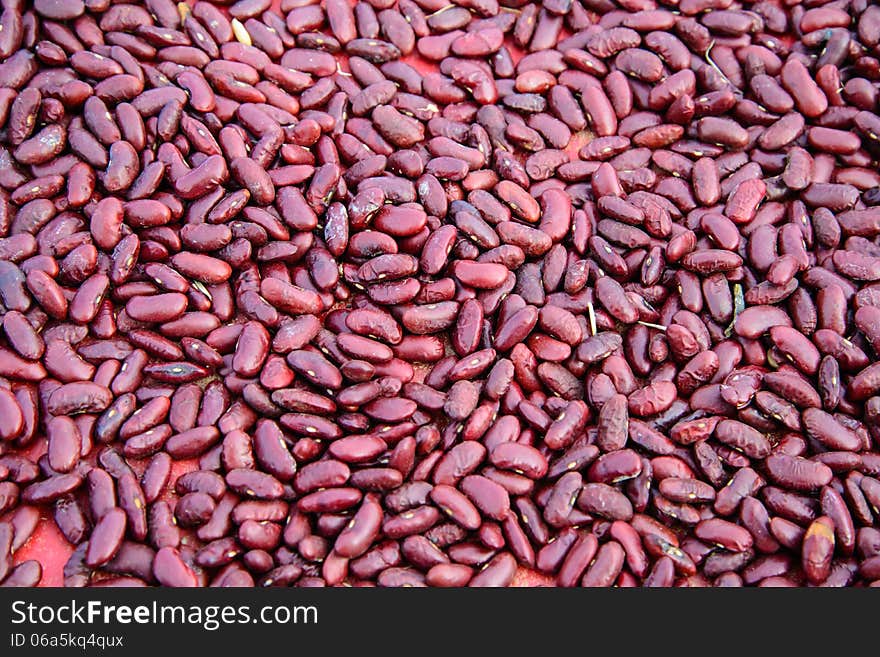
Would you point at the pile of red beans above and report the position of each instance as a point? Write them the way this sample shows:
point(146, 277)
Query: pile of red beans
point(411, 292)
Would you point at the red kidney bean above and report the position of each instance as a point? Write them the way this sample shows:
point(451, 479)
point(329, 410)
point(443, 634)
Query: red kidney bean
point(456, 506)
point(578, 558)
point(519, 458)
point(615, 466)
point(725, 534)
point(489, 497)
point(824, 428)
point(742, 437)
point(605, 501)
point(170, 569)
point(834, 506)
point(606, 566)
point(797, 473)
point(106, 538)
point(65, 443)
point(818, 548)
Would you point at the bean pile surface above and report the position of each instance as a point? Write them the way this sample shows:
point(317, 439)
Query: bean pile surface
point(411, 293)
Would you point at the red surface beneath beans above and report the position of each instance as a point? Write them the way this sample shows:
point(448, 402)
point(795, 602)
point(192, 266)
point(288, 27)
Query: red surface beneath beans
point(766, 337)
